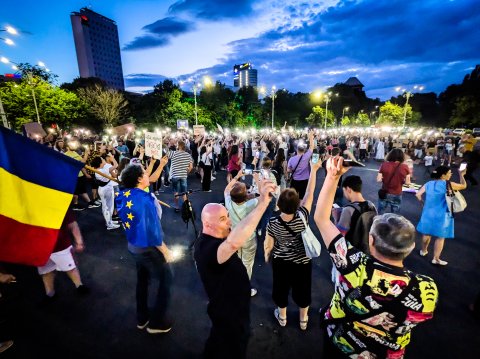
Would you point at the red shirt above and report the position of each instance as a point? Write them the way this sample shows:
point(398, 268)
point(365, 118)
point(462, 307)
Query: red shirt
point(232, 164)
point(393, 185)
point(64, 239)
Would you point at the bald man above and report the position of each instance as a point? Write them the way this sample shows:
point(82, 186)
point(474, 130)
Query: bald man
point(225, 277)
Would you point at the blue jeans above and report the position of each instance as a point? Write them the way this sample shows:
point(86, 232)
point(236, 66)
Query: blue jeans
point(179, 185)
point(392, 200)
point(151, 264)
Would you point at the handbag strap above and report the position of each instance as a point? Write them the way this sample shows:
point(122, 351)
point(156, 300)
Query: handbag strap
point(303, 220)
point(391, 177)
point(297, 166)
point(285, 225)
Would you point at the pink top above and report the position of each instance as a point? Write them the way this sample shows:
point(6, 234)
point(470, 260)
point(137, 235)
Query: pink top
point(233, 164)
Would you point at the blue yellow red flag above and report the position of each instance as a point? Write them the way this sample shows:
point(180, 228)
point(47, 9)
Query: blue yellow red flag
point(36, 189)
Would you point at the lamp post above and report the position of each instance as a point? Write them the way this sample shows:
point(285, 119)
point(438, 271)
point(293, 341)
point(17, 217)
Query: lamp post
point(30, 81)
point(328, 98)
point(345, 109)
point(407, 95)
point(274, 95)
point(195, 100)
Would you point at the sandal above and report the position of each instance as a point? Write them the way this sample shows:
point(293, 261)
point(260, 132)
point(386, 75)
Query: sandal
point(303, 323)
point(281, 321)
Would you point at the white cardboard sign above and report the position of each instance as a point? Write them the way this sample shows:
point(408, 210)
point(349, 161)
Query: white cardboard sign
point(153, 145)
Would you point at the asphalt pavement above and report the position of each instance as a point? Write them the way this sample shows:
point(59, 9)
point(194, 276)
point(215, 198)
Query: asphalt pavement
point(103, 324)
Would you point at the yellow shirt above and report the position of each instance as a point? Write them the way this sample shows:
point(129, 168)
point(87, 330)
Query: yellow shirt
point(75, 156)
point(470, 143)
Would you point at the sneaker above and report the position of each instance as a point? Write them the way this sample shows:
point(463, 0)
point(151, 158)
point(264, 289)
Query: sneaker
point(214, 178)
point(83, 290)
point(157, 193)
point(165, 329)
point(5, 345)
point(208, 190)
point(422, 253)
point(439, 262)
point(143, 325)
point(113, 226)
point(98, 201)
point(93, 204)
point(304, 323)
point(77, 207)
point(253, 292)
point(281, 321)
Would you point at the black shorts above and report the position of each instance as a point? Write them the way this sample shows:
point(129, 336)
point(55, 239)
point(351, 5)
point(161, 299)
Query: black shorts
point(297, 277)
point(81, 186)
point(300, 186)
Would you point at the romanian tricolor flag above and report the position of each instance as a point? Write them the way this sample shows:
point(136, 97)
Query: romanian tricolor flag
point(36, 188)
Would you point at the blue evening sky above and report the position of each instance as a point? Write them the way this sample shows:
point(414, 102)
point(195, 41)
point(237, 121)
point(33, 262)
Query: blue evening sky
point(295, 44)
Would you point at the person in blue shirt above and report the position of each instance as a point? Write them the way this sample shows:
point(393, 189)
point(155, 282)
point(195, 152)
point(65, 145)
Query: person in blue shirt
point(141, 213)
point(122, 149)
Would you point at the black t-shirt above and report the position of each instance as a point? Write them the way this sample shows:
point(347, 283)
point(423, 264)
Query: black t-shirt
point(227, 285)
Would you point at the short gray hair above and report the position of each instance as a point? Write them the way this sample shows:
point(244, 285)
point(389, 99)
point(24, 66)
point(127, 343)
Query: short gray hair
point(394, 235)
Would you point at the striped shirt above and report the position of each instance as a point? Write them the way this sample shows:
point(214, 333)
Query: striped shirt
point(285, 246)
point(180, 162)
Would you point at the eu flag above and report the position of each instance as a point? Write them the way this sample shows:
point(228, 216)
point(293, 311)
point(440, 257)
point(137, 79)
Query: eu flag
point(140, 214)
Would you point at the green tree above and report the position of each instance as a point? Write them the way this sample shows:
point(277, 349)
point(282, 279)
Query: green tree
point(466, 112)
point(346, 121)
point(108, 105)
point(362, 119)
point(317, 117)
point(54, 104)
point(31, 72)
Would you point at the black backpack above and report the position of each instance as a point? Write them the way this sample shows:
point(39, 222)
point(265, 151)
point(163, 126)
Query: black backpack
point(361, 222)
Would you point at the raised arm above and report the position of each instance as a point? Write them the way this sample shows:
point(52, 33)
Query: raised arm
point(239, 235)
point(230, 185)
point(308, 198)
point(156, 175)
point(310, 140)
point(328, 230)
point(462, 185)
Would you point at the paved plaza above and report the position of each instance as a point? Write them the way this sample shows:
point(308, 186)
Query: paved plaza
point(103, 324)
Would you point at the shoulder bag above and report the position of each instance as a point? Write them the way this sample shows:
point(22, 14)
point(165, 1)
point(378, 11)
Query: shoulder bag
point(310, 242)
point(455, 201)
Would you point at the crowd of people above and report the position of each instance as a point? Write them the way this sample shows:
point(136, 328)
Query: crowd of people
point(269, 196)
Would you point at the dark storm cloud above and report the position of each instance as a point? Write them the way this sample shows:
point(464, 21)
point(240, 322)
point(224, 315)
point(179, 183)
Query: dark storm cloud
point(213, 9)
point(160, 33)
point(385, 42)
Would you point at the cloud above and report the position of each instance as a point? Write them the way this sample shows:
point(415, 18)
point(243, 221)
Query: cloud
point(383, 42)
point(143, 80)
point(213, 9)
point(160, 33)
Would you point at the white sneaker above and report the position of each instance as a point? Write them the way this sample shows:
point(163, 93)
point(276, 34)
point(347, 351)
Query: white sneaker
point(422, 253)
point(253, 292)
point(113, 226)
point(439, 262)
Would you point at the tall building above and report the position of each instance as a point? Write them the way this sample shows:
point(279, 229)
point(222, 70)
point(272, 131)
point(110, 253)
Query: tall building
point(244, 75)
point(97, 47)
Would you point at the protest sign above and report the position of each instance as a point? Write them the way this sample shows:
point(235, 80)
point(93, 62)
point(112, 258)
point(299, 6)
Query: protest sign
point(153, 145)
point(198, 130)
point(182, 124)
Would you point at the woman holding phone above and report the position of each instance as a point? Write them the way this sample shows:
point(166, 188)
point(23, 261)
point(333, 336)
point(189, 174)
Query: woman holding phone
point(437, 219)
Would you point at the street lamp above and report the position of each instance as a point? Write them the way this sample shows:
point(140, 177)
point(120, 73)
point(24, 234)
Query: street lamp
point(345, 109)
point(273, 93)
point(328, 98)
point(407, 95)
point(10, 30)
point(30, 80)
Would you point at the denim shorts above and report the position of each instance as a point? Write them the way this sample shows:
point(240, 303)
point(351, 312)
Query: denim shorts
point(179, 185)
